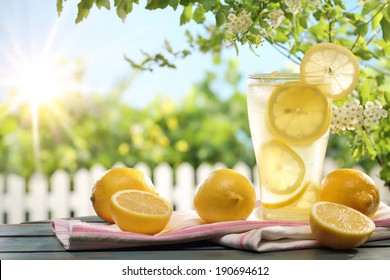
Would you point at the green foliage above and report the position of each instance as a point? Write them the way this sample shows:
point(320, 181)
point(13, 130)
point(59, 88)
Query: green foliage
point(77, 131)
point(365, 30)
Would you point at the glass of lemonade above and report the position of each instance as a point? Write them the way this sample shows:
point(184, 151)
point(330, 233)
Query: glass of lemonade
point(289, 121)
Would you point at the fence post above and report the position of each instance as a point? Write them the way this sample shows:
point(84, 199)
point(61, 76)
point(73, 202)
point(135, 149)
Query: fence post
point(2, 199)
point(37, 200)
point(143, 168)
point(15, 201)
point(80, 203)
point(185, 187)
point(163, 181)
point(59, 201)
point(179, 188)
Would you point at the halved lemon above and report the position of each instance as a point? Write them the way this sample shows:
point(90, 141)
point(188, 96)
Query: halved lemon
point(339, 226)
point(298, 113)
point(282, 170)
point(140, 211)
point(333, 62)
point(280, 201)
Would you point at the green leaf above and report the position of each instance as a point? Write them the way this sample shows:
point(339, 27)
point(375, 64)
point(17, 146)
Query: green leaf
point(363, 54)
point(302, 22)
point(339, 3)
point(103, 3)
point(157, 4)
point(386, 12)
point(358, 152)
point(385, 174)
point(361, 28)
point(83, 9)
point(236, 48)
point(376, 21)
point(59, 7)
point(220, 17)
point(209, 4)
point(369, 6)
point(168, 46)
point(186, 15)
point(318, 14)
point(199, 14)
point(380, 79)
point(385, 24)
point(369, 146)
point(189, 37)
point(124, 7)
point(365, 90)
point(174, 4)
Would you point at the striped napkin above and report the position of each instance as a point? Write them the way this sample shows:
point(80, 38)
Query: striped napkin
point(186, 226)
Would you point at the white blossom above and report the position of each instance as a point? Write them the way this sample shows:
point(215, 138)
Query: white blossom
point(275, 18)
point(293, 6)
point(314, 3)
point(373, 112)
point(361, 2)
point(352, 115)
point(239, 24)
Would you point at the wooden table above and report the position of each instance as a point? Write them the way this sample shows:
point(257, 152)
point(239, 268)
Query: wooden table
point(35, 240)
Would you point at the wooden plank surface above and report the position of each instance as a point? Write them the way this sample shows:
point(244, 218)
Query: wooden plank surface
point(37, 241)
point(209, 253)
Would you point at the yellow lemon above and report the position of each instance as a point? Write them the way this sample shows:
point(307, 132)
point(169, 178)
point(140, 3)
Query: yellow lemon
point(113, 180)
point(333, 62)
point(298, 113)
point(225, 195)
point(339, 226)
point(352, 188)
point(140, 211)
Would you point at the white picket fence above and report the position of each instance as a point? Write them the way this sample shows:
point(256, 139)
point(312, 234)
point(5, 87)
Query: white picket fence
point(41, 198)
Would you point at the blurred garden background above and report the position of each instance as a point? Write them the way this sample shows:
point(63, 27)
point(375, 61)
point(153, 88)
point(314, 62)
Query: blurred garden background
point(165, 84)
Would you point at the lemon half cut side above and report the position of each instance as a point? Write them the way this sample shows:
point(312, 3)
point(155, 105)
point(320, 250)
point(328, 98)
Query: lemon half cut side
point(339, 226)
point(140, 211)
point(333, 62)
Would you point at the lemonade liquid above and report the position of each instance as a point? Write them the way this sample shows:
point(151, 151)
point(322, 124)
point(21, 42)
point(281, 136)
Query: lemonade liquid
point(290, 162)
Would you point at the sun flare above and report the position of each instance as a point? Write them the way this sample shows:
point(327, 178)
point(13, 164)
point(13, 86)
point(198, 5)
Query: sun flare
point(38, 82)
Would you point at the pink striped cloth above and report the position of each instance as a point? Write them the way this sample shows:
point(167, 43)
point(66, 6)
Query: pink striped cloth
point(186, 226)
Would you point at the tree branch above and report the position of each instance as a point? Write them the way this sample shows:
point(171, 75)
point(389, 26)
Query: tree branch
point(330, 22)
point(371, 19)
point(279, 47)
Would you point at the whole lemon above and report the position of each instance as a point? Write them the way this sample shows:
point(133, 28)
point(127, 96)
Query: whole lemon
point(352, 188)
point(114, 180)
point(225, 195)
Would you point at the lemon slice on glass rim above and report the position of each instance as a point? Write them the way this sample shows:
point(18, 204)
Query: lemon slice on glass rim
point(298, 113)
point(283, 170)
point(334, 63)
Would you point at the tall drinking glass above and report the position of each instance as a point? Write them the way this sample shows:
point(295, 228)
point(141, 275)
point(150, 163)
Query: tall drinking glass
point(289, 121)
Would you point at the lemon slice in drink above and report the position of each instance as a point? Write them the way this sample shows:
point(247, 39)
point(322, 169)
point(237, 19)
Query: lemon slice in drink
point(333, 62)
point(339, 226)
point(140, 211)
point(298, 113)
point(275, 201)
point(283, 169)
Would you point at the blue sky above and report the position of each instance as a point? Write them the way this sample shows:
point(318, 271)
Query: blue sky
point(31, 28)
